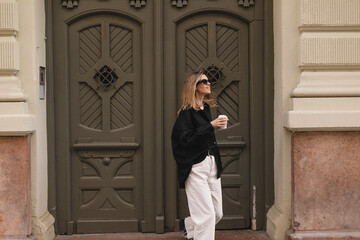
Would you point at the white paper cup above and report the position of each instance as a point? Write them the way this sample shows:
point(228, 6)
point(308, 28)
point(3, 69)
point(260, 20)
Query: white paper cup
point(223, 116)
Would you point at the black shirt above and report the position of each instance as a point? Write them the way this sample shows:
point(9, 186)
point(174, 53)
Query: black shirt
point(192, 138)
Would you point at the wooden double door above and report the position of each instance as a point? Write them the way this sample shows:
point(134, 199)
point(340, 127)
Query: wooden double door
point(116, 72)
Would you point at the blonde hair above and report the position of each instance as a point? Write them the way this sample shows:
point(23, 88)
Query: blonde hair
point(188, 98)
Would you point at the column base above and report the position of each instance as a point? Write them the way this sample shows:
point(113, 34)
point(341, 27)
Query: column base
point(322, 235)
point(43, 227)
point(15, 215)
point(277, 224)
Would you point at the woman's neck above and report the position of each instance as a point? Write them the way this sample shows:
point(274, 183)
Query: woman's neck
point(199, 99)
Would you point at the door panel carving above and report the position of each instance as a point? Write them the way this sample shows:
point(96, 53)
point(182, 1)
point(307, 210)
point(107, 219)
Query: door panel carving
point(228, 103)
point(122, 107)
point(105, 180)
point(90, 107)
point(196, 47)
point(114, 197)
point(121, 47)
point(227, 46)
point(116, 70)
point(90, 47)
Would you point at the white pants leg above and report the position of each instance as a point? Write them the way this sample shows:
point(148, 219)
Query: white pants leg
point(203, 191)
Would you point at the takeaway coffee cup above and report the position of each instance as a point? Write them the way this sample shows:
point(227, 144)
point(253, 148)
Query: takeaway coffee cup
point(223, 116)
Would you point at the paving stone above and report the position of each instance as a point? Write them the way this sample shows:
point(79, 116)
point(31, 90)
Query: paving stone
point(220, 235)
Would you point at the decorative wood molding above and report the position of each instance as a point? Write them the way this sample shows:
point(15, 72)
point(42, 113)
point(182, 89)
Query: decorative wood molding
point(215, 75)
point(138, 3)
point(246, 3)
point(232, 152)
point(107, 153)
point(179, 3)
point(231, 148)
point(70, 3)
point(105, 77)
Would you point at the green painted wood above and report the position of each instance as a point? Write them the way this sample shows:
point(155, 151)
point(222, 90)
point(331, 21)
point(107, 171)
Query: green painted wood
point(105, 110)
point(116, 74)
point(103, 118)
point(212, 33)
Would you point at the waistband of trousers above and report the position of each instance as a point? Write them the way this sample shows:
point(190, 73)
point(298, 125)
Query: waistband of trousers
point(210, 152)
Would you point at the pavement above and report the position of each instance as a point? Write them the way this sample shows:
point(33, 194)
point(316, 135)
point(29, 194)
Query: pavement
point(220, 235)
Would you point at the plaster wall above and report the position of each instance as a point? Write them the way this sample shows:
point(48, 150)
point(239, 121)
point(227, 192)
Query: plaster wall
point(316, 83)
point(329, 49)
point(32, 55)
point(286, 75)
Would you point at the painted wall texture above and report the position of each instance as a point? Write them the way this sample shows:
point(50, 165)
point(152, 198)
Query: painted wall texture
point(326, 98)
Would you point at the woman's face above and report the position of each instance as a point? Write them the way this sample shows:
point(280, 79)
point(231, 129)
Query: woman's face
point(202, 86)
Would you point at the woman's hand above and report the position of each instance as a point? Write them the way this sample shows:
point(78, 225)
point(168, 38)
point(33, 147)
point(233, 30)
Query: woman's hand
point(219, 122)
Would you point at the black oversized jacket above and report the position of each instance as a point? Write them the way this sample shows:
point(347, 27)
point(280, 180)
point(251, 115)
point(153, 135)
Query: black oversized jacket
point(192, 137)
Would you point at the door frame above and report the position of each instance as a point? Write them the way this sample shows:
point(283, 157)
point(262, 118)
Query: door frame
point(263, 118)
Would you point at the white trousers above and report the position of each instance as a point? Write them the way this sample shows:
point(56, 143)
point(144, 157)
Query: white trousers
point(203, 191)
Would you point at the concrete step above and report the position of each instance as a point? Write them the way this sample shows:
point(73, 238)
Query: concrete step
point(220, 235)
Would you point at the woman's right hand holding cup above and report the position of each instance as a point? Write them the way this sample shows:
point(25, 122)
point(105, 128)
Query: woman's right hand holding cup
point(220, 122)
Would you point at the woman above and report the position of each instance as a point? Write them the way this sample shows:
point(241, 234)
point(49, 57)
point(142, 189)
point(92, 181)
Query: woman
point(198, 159)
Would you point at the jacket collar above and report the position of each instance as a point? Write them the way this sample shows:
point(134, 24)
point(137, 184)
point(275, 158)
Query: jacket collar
point(206, 112)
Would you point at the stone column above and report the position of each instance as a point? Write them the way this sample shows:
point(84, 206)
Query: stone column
point(286, 73)
point(325, 189)
point(324, 119)
point(15, 126)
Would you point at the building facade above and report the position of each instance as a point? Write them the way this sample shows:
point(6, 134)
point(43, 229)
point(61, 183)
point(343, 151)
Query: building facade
point(72, 161)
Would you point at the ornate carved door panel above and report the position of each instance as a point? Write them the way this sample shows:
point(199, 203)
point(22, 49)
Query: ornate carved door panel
point(117, 68)
point(105, 89)
point(103, 116)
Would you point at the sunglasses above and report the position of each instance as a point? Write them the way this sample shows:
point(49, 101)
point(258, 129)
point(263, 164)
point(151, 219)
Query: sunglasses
point(204, 81)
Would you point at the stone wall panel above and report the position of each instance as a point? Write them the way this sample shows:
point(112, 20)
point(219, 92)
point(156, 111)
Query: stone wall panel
point(330, 13)
point(330, 50)
point(15, 187)
point(9, 20)
point(326, 176)
point(9, 55)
